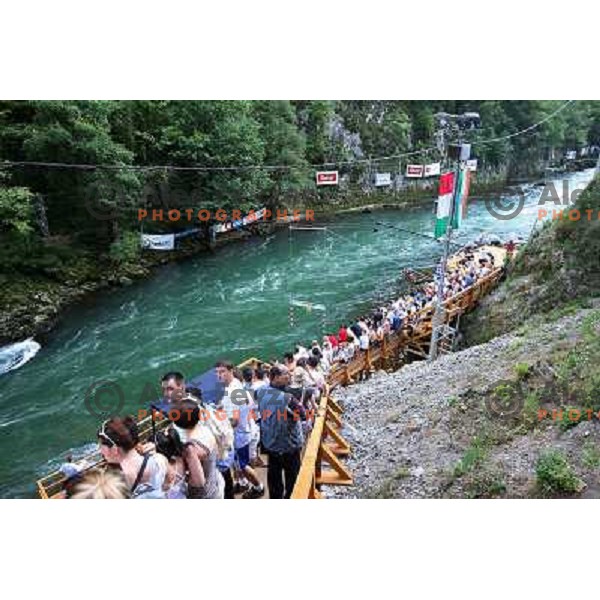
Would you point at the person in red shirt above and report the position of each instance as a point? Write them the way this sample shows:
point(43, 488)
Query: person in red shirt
point(333, 340)
point(343, 334)
point(510, 248)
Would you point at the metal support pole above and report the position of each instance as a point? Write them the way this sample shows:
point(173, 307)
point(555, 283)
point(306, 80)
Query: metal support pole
point(438, 316)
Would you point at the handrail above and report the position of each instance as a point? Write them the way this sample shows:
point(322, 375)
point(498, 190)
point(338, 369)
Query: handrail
point(52, 484)
point(305, 483)
point(324, 448)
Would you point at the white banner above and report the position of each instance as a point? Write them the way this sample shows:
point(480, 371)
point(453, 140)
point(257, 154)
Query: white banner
point(158, 242)
point(414, 170)
point(221, 227)
point(383, 179)
point(251, 217)
point(432, 169)
point(472, 164)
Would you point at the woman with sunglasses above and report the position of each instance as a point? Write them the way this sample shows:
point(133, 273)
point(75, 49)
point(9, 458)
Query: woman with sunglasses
point(144, 474)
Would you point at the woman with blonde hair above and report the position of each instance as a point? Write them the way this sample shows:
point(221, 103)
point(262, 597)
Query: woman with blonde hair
point(100, 484)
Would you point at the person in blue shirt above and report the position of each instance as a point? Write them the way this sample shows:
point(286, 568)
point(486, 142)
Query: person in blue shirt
point(280, 432)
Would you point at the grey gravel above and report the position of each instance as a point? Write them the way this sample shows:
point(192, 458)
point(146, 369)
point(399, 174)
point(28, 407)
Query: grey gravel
point(409, 429)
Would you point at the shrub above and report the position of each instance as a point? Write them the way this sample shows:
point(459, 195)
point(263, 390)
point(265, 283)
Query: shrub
point(555, 475)
point(571, 416)
point(521, 370)
point(485, 483)
point(474, 455)
point(590, 455)
point(531, 408)
point(126, 248)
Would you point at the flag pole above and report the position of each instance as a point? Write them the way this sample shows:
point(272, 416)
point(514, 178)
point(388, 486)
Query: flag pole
point(462, 151)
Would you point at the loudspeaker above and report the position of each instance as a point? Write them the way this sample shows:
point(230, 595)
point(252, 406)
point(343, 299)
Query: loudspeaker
point(459, 151)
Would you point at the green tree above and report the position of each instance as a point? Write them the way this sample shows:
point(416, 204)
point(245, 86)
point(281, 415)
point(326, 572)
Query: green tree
point(423, 124)
point(17, 228)
point(16, 211)
point(71, 132)
point(93, 209)
point(284, 144)
point(314, 118)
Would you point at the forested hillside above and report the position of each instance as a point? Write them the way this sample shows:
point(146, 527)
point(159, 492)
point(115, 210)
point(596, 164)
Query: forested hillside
point(557, 273)
point(74, 173)
point(60, 201)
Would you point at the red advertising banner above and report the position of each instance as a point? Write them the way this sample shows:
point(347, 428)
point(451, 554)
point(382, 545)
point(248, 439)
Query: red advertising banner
point(327, 177)
point(414, 170)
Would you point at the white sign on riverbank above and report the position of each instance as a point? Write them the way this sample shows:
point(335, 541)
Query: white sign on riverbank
point(432, 169)
point(382, 179)
point(158, 242)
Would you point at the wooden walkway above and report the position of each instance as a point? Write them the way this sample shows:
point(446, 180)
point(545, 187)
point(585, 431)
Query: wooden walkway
point(325, 447)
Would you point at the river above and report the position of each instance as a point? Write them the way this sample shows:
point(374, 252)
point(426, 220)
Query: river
point(233, 304)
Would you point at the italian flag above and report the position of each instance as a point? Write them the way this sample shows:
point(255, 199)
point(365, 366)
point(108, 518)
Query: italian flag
point(444, 205)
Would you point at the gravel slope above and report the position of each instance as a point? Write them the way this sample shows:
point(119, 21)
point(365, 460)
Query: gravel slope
point(410, 429)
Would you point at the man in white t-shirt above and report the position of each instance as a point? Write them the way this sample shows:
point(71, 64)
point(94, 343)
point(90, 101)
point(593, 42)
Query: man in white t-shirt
point(255, 379)
point(238, 405)
point(300, 352)
point(364, 340)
